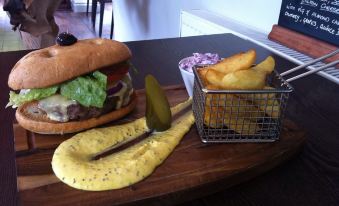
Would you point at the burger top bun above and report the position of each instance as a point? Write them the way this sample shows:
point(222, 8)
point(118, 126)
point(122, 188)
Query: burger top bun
point(56, 64)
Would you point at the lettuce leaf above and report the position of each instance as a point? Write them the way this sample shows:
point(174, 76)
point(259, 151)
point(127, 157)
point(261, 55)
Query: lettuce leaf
point(16, 100)
point(88, 90)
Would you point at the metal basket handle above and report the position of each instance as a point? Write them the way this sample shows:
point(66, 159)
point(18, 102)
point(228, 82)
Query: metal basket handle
point(310, 63)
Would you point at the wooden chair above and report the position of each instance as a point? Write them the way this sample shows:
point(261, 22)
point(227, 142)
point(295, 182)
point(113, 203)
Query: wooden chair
point(102, 9)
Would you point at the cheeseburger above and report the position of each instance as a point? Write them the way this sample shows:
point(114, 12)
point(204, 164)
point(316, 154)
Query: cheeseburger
point(65, 89)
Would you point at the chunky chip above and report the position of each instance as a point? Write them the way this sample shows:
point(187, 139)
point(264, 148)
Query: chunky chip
point(202, 74)
point(218, 118)
point(266, 102)
point(214, 77)
point(266, 66)
point(241, 112)
point(244, 80)
point(236, 62)
point(231, 111)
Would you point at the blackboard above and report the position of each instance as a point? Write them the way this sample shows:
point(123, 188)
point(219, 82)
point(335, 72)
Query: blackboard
point(315, 18)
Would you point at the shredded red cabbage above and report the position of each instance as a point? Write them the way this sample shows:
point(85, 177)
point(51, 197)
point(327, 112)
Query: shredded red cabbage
point(198, 59)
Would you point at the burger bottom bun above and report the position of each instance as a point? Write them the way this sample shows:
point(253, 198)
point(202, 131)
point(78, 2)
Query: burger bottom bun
point(39, 123)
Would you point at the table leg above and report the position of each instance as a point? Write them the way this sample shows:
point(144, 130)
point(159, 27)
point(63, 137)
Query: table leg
point(94, 12)
point(87, 7)
point(102, 9)
point(112, 22)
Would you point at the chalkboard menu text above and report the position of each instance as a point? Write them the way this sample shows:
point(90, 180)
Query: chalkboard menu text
point(315, 18)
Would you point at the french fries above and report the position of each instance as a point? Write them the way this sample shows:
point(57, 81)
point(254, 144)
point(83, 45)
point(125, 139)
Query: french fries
point(232, 111)
point(236, 62)
point(233, 105)
point(272, 106)
point(266, 66)
point(202, 74)
point(214, 119)
point(244, 79)
point(239, 112)
point(214, 77)
point(265, 102)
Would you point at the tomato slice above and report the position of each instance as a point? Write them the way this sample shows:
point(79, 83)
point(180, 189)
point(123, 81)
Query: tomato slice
point(116, 73)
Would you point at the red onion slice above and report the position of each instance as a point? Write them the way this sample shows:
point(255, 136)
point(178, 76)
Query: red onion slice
point(114, 89)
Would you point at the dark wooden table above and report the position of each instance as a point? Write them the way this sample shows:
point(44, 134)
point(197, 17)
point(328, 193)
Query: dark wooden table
point(310, 178)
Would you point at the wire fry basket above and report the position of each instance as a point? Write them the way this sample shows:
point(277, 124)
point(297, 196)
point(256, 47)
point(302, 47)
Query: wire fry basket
point(240, 115)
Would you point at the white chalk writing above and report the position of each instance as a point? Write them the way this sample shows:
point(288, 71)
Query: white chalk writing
point(321, 17)
point(293, 16)
point(317, 18)
point(309, 3)
point(309, 21)
point(301, 10)
point(335, 2)
point(327, 28)
point(335, 21)
point(332, 9)
point(291, 7)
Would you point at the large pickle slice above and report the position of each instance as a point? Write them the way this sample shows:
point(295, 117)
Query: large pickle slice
point(158, 113)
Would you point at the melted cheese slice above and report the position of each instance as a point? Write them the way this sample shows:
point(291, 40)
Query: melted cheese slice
point(55, 107)
point(72, 161)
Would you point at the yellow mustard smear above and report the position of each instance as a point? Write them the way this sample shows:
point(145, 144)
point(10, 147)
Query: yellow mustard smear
point(73, 160)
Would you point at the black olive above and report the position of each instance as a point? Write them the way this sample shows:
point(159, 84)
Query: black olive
point(66, 39)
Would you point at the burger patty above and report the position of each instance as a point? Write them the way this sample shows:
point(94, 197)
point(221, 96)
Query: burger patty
point(79, 112)
point(61, 109)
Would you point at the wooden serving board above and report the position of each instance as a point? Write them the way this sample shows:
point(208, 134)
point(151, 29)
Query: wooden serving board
point(192, 170)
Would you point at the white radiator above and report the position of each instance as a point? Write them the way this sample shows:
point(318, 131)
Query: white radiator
point(200, 22)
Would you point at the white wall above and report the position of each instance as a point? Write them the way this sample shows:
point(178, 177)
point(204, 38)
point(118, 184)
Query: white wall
point(148, 19)
point(261, 14)
point(153, 19)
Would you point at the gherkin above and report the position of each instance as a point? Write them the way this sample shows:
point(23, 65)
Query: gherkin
point(158, 113)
